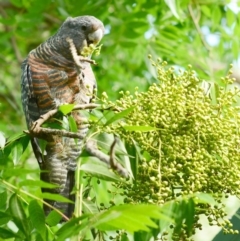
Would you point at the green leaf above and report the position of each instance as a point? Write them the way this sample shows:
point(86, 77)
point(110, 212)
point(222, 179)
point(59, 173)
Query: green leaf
point(127, 43)
point(173, 7)
point(99, 169)
point(189, 214)
point(19, 216)
point(18, 171)
point(16, 208)
point(15, 137)
point(53, 218)
point(6, 234)
point(37, 183)
point(24, 142)
point(37, 218)
point(89, 206)
point(206, 10)
point(16, 3)
point(72, 227)
point(235, 48)
point(3, 199)
point(216, 15)
point(73, 127)
point(119, 115)
point(42, 144)
point(17, 151)
point(55, 197)
point(137, 24)
point(133, 152)
point(65, 109)
point(2, 140)
point(4, 218)
point(140, 128)
point(39, 237)
point(131, 34)
point(72, 124)
point(231, 17)
point(131, 218)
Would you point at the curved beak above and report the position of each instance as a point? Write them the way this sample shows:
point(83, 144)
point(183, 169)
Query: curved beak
point(95, 36)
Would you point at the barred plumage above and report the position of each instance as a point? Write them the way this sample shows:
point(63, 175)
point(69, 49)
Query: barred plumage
point(50, 78)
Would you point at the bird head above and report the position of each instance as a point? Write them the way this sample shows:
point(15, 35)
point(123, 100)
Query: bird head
point(84, 30)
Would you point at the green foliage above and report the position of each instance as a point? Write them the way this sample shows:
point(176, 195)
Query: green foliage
point(192, 138)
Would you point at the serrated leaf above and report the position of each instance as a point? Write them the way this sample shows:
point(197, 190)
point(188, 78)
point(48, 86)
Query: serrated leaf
point(119, 115)
point(37, 183)
point(55, 197)
point(65, 109)
point(2, 140)
point(140, 128)
point(53, 218)
point(37, 218)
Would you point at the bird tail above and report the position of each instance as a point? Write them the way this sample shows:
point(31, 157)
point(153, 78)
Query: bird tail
point(66, 208)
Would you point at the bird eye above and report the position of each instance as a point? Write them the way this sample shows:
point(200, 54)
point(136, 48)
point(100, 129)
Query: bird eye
point(84, 27)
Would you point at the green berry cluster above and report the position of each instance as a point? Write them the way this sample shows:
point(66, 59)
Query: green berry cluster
point(194, 145)
point(89, 50)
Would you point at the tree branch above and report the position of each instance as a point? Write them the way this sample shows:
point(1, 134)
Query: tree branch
point(36, 129)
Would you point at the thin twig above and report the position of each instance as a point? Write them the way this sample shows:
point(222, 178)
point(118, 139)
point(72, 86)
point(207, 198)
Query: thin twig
point(112, 153)
point(92, 149)
point(89, 106)
point(195, 21)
